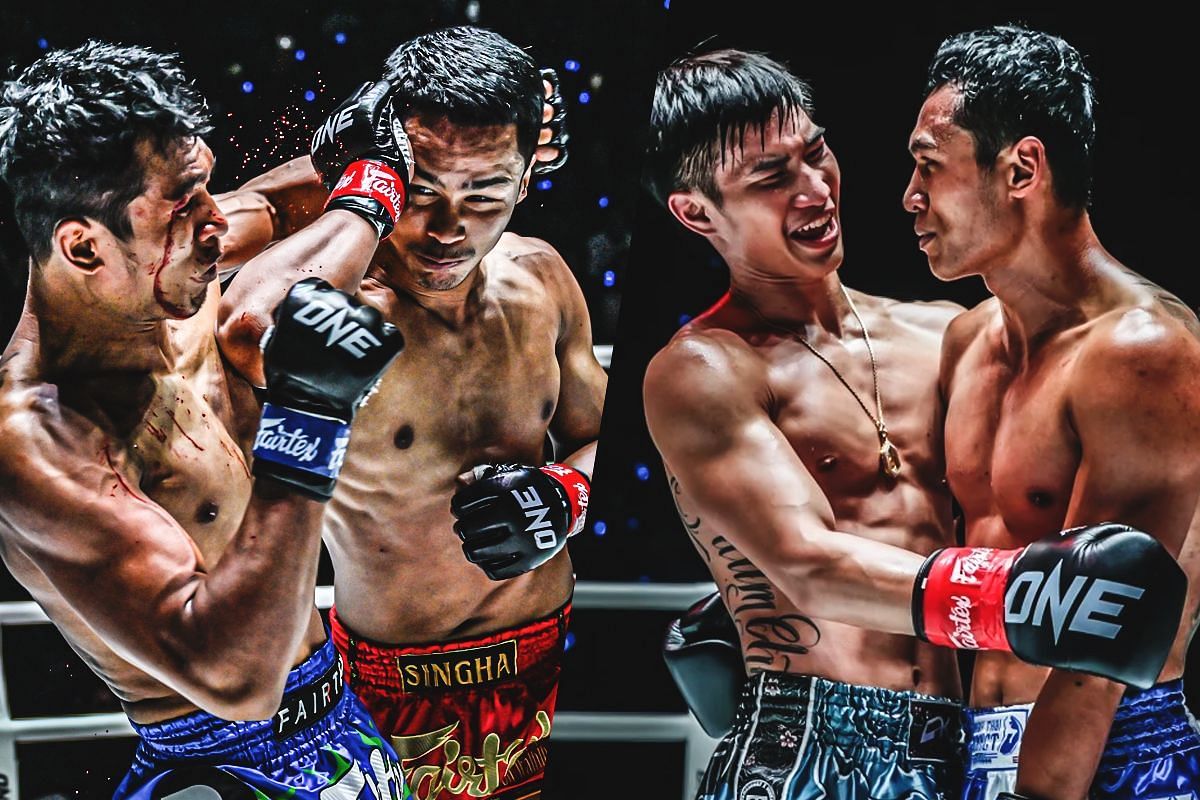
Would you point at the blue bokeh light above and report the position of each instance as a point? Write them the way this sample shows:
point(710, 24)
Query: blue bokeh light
point(247, 86)
point(600, 528)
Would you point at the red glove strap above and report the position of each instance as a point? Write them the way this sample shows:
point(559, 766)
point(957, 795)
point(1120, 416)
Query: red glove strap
point(374, 179)
point(577, 487)
point(964, 598)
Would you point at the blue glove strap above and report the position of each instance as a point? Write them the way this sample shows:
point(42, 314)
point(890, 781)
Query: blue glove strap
point(301, 440)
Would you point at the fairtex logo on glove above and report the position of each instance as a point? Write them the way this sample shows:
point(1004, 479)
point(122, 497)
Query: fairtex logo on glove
point(373, 179)
point(965, 568)
point(1038, 593)
point(301, 440)
point(345, 333)
point(963, 635)
point(273, 436)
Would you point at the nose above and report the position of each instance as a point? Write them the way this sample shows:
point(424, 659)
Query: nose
point(915, 199)
point(813, 190)
point(215, 225)
point(445, 226)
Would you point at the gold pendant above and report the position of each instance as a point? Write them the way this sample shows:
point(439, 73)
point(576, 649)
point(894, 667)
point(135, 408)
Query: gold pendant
point(889, 456)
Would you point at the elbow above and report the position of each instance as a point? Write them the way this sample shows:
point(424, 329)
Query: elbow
point(239, 333)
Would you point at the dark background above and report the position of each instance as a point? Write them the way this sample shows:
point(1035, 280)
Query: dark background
point(867, 68)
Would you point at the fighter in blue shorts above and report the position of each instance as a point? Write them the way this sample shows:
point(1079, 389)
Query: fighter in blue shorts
point(170, 531)
point(1071, 398)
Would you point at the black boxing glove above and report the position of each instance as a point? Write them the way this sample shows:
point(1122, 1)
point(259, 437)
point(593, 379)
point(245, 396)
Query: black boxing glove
point(557, 125)
point(704, 656)
point(515, 518)
point(1104, 599)
point(322, 356)
point(364, 158)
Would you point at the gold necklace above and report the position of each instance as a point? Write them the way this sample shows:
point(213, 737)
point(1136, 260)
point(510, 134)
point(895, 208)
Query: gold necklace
point(889, 456)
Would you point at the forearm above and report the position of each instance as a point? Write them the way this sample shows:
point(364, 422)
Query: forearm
point(583, 459)
point(240, 629)
point(848, 579)
point(1066, 734)
point(337, 247)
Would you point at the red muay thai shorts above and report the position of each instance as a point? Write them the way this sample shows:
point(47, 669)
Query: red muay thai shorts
point(469, 718)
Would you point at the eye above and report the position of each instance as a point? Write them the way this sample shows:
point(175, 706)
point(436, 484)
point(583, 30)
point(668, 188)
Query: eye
point(421, 191)
point(817, 153)
point(773, 180)
point(481, 199)
point(925, 167)
point(183, 208)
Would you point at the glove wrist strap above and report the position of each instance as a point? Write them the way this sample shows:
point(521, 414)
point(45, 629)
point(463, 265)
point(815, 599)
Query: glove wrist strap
point(371, 179)
point(301, 440)
point(576, 488)
point(962, 598)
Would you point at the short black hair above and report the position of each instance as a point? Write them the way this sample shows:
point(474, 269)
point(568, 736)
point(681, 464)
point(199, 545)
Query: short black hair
point(69, 128)
point(471, 76)
point(1015, 82)
point(702, 103)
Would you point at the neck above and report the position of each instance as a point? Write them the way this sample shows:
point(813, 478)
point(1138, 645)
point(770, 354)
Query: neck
point(1049, 282)
point(73, 338)
point(452, 306)
point(804, 306)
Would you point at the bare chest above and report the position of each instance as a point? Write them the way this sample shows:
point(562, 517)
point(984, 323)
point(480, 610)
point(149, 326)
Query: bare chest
point(837, 438)
point(457, 398)
point(1010, 451)
point(188, 461)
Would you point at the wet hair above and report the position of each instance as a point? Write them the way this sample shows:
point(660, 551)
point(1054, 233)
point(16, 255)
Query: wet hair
point(69, 128)
point(704, 104)
point(1015, 82)
point(471, 76)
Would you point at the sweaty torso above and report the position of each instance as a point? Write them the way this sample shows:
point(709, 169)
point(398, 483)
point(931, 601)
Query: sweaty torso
point(170, 435)
point(1012, 456)
point(459, 395)
point(839, 446)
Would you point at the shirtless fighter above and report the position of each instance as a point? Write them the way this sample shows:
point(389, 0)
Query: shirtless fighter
point(127, 506)
point(800, 426)
point(1073, 397)
point(457, 666)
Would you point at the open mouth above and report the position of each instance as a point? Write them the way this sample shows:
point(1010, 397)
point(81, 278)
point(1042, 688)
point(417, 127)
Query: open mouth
point(821, 232)
point(924, 239)
point(208, 275)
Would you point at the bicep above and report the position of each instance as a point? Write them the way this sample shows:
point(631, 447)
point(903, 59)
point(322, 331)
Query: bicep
point(744, 478)
point(582, 382)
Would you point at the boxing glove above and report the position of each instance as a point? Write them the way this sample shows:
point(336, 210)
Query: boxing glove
point(322, 356)
point(557, 125)
point(515, 518)
point(704, 657)
point(364, 158)
point(1103, 599)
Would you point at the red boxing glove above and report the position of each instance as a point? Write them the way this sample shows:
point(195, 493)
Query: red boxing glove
point(372, 189)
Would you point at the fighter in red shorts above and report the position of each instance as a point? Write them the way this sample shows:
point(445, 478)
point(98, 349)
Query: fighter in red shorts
point(459, 663)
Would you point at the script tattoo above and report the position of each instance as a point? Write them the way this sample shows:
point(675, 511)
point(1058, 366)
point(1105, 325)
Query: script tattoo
point(691, 523)
point(749, 594)
point(770, 634)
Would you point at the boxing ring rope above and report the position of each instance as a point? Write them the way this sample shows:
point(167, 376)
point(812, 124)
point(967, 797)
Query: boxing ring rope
point(569, 726)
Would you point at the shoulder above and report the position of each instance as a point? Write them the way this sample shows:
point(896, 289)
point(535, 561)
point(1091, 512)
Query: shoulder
point(530, 255)
point(933, 316)
point(967, 327)
point(1136, 350)
point(704, 369)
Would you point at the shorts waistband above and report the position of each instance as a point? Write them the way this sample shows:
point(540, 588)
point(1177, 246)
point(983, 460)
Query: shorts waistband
point(1149, 724)
point(854, 718)
point(313, 700)
point(994, 735)
point(459, 664)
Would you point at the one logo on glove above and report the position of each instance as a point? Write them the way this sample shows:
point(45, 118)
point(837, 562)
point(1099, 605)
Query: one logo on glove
point(345, 333)
point(535, 510)
point(333, 126)
point(273, 437)
point(1037, 592)
point(965, 568)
